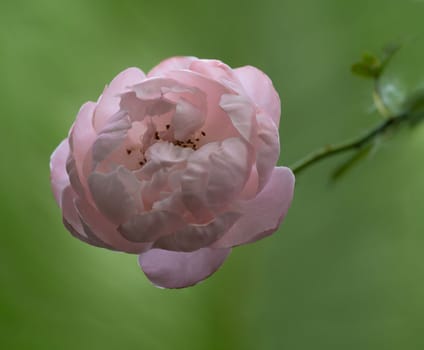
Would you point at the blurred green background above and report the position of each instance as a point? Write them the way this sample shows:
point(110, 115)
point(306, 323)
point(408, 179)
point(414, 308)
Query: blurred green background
point(346, 269)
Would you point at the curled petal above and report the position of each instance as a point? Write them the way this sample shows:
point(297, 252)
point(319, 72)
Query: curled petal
point(214, 69)
point(267, 149)
point(81, 139)
point(262, 215)
point(111, 137)
point(259, 88)
point(194, 181)
point(187, 119)
point(72, 220)
point(115, 194)
point(215, 174)
point(167, 154)
point(173, 202)
point(153, 189)
point(154, 97)
point(241, 113)
point(163, 155)
point(58, 176)
point(229, 170)
point(250, 190)
point(217, 123)
point(194, 237)
point(149, 226)
point(169, 269)
point(96, 224)
point(108, 103)
point(155, 88)
point(70, 214)
point(170, 64)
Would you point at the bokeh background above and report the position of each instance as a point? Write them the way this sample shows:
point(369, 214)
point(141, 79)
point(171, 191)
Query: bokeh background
point(346, 269)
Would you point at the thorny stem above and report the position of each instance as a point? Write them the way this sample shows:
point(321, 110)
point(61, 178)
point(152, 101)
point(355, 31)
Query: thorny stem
point(388, 122)
point(356, 143)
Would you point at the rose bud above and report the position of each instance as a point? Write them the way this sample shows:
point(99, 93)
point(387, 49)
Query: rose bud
point(177, 166)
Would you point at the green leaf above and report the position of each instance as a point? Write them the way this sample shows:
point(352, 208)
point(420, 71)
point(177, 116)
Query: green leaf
point(345, 167)
point(372, 66)
point(368, 67)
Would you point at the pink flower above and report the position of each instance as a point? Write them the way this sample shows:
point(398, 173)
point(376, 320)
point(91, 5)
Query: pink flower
point(177, 166)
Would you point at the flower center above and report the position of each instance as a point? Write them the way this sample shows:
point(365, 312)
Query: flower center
point(140, 138)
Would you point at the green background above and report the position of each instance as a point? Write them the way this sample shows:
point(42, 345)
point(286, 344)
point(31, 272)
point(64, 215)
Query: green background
point(346, 269)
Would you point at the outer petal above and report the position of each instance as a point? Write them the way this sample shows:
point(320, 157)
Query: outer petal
point(263, 214)
point(178, 270)
point(70, 214)
point(215, 70)
point(73, 222)
point(81, 139)
point(267, 149)
point(108, 103)
point(259, 88)
point(111, 137)
point(170, 64)
point(58, 176)
point(241, 113)
point(95, 224)
point(115, 194)
point(194, 237)
point(149, 226)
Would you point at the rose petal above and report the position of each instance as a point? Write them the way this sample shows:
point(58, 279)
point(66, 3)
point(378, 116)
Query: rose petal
point(155, 88)
point(111, 137)
point(251, 188)
point(115, 194)
point(218, 125)
point(81, 139)
point(162, 155)
point(229, 170)
point(215, 174)
point(168, 154)
point(73, 222)
point(152, 189)
point(267, 149)
point(263, 214)
point(194, 181)
point(59, 178)
point(187, 119)
point(173, 202)
point(194, 237)
point(170, 64)
point(241, 113)
point(148, 227)
point(69, 212)
point(96, 224)
point(108, 103)
point(214, 69)
point(259, 88)
point(154, 97)
point(169, 269)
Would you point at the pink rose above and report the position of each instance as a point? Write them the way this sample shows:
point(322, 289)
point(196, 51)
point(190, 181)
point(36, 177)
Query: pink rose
point(177, 166)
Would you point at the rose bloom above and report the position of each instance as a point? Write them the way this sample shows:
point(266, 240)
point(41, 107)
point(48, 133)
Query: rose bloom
point(177, 166)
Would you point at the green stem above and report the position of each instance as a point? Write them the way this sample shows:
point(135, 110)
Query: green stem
point(356, 143)
point(379, 101)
